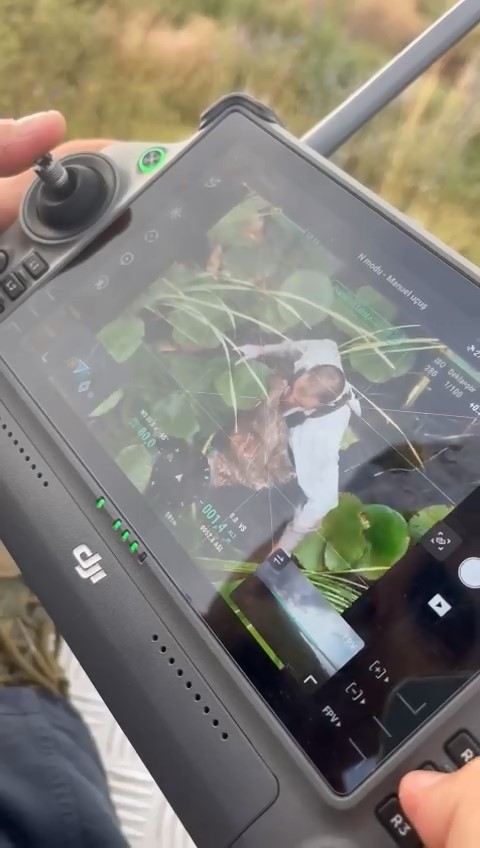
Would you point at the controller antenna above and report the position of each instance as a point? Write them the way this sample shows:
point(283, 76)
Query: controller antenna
point(53, 175)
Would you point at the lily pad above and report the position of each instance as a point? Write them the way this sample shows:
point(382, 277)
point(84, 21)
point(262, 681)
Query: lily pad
point(201, 322)
point(310, 293)
point(367, 309)
point(123, 337)
point(137, 463)
point(310, 552)
point(344, 530)
point(187, 371)
point(377, 370)
point(244, 384)
point(426, 518)
point(387, 535)
point(175, 415)
point(334, 561)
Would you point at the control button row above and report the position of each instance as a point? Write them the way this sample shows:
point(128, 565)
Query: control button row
point(461, 748)
point(14, 285)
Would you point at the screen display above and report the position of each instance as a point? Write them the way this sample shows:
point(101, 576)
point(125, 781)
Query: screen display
point(280, 390)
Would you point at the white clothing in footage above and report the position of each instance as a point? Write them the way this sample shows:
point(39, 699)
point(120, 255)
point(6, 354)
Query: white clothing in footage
point(315, 443)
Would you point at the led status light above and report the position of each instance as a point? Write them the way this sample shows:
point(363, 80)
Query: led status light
point(100, 503)
point(134, 547)
point(117, 524)
point(125, 535)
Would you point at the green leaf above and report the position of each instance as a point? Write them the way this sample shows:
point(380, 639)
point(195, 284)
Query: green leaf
point(123, 337)
point(334, 561)
point(246, 388)
point(175, 415)
point(137, 463)
point(342, 527)
point(311, 290)
point(367, 308)
point(385, 309)
point(200, 322)
point(187, 370)
point(425, 519)
point(272, 312)
point(108, 404)
point(387, 535)
point(310, 552)
point(374, 368)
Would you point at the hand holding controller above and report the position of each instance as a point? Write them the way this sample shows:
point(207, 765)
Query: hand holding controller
point(74, 197)
point(76, 194)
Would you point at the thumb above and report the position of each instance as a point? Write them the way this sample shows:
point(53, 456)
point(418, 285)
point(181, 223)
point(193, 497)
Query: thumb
point(23, 141)
point(444, 808)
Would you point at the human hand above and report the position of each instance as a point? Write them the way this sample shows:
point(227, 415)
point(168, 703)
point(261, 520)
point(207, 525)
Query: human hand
point(250, 351)
point(21, 143)
point(444, 808)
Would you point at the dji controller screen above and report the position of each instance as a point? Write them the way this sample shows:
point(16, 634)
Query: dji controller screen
point(280, 389)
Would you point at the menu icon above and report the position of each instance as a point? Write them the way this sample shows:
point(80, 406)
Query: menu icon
point(441, 541)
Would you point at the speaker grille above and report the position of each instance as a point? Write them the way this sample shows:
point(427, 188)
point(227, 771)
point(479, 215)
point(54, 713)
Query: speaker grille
point(7, 431)
point(185, 680)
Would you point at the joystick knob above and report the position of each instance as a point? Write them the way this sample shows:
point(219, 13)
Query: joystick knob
point(53, 174)
point(68, 196)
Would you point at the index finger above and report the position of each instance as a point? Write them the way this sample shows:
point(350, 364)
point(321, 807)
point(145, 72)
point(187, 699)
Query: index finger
point(23, 141)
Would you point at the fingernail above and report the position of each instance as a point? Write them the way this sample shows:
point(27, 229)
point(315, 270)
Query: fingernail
point(28, 121)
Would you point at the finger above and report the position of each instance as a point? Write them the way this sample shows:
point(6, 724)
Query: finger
point(13, 189)
point(444, 808)
point(23, 141)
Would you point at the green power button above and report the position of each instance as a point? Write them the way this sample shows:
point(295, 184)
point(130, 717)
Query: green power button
point(152, 159)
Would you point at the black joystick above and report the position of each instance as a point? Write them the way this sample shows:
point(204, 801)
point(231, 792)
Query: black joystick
point(70, 195)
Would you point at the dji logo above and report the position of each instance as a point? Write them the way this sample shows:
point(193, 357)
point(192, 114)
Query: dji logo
point(88, 567)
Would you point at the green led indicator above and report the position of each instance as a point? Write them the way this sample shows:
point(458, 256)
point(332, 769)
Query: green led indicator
point(100, 503)
point(152, 159)
point(125, 535)
point(134, 547)
point(117, 524)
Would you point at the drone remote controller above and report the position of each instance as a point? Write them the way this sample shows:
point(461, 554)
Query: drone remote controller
point(239, 451)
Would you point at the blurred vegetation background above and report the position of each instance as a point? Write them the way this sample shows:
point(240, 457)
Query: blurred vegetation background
point(146, 71)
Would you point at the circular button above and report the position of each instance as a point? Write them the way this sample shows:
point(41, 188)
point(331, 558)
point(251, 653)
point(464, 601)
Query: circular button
point(469, 572)
point(3, 261)
point(152, 159)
